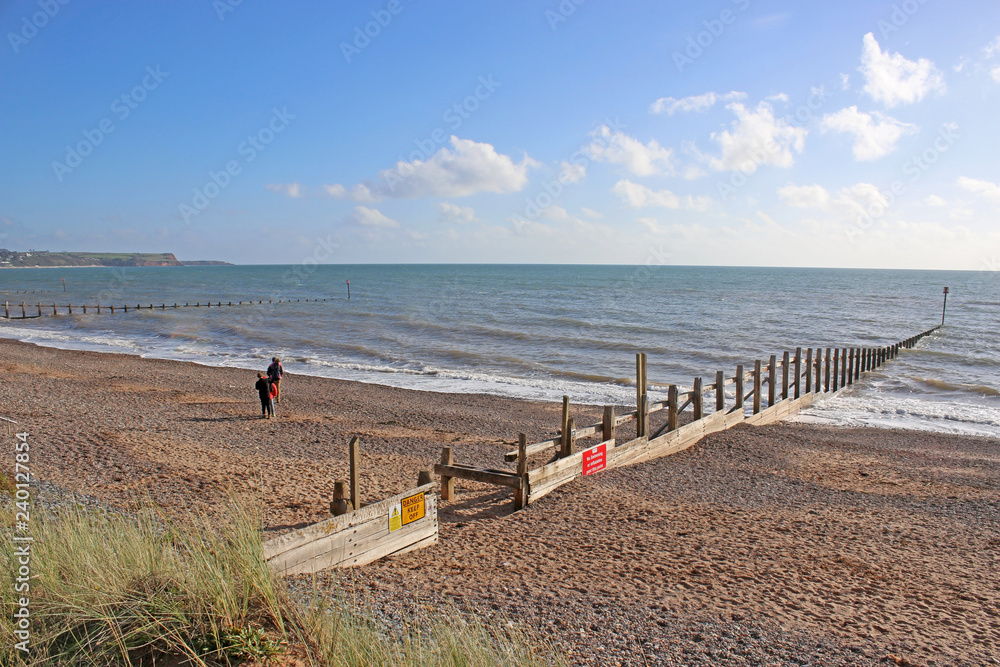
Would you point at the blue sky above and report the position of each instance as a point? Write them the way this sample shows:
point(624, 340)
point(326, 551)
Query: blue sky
point(856, 134)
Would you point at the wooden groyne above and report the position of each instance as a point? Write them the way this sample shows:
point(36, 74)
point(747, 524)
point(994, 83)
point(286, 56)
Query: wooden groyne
point(10, 311)
point(766, 393)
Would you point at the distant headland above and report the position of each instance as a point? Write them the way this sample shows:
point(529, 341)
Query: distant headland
point(10, 259)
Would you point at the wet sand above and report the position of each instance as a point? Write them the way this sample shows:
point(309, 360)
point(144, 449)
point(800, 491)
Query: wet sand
point(784, 544)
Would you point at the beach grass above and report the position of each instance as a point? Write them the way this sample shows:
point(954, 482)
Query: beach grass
point(107, 589)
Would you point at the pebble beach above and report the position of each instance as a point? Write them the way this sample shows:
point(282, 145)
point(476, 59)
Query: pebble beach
point(789, 544)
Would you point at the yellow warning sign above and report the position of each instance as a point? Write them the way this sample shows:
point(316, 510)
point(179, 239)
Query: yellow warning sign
point(413, 508)
point(395, 517)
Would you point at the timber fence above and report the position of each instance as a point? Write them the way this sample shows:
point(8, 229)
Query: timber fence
point(10, 310)
point(766, 393)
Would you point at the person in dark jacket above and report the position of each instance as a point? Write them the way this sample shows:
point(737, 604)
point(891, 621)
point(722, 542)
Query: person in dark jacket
point(274, 373)
point(263, 388)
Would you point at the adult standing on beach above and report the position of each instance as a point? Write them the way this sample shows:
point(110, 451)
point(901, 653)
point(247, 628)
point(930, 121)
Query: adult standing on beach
point(274, 373)
point(263, 388)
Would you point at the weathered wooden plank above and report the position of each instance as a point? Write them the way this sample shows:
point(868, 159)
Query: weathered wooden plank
point(447, 483)
point(521, 493)
point(354, 538)
point(756, 385)
point(697, 397)
point(485, 475)
point(720, 391)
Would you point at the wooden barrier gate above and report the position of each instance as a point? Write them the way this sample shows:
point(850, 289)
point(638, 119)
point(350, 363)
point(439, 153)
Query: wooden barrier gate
point(396, 525)
point(804, 379)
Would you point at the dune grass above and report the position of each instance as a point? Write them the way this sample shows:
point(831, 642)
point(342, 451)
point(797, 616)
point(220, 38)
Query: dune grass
point(112, 590)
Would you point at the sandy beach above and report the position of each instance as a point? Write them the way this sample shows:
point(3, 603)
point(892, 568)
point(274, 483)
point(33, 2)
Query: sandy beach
point(785, 544)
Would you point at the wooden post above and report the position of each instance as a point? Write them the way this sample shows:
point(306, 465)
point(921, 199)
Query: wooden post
point(564, 427)
point(846, 369)
point(772, 379)
point(826, 377)
point(818, 386)
point(798, 371)
point(739, 388)
point(698, 409)
point(84, 309)
point(720, 391)
point(354, 458)
point(809, 365)
point(70, 307)
point(520, 495)
point(756, 386)
point(608, 423)
point(340, 505)
point(640, 395)
point(424, 477)
point(125, 307)
point(836, 380)
point(447, 482)
point(672, 408)
point(54, 309)
point(6, 309)
point(568, 439)
point(784, 375)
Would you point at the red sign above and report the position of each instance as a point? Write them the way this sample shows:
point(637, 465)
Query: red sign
point(595, 459)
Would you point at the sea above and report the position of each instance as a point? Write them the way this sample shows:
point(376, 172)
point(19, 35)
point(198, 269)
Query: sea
point(544, 331)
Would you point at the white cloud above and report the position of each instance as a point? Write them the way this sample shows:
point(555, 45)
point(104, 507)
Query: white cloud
point(804, 196)
point(874, 136)
point(780, 97)
point(693, 172)
point(756, 139)
point(995, 73)
point(371, 217)
point(293, 190)
point(985, 188)
point(454, 213)
point(695, 103)
point(570, 172)
point(993, 48)
point(619, 148)
point(634, 195)
point(848, 203)
point(359, 192)
point(591, 213)
point(892, 79)
point(464, 169)
point(845, 81)
point(934, 200)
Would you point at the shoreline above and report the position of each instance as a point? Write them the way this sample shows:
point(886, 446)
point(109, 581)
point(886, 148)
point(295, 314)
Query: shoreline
point(596, 394)
point(843, 545)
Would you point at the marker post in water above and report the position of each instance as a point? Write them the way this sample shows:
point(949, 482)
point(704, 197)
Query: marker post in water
point(944, 307)
point(348, 290)
point(64, 284)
